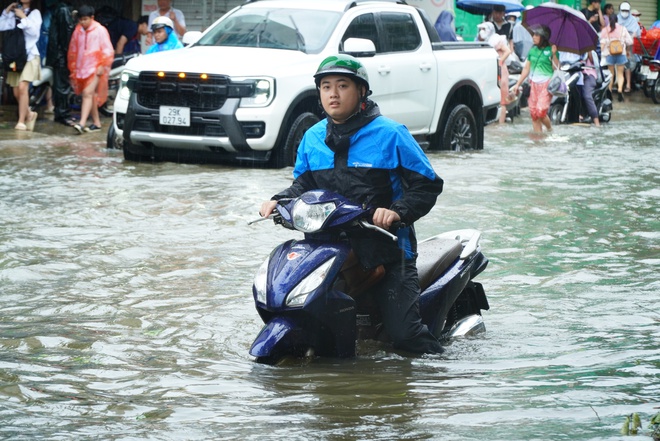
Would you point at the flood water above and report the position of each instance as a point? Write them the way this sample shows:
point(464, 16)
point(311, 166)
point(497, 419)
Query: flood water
point(127, 311)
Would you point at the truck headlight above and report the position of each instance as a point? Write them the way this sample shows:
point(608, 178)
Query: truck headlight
point(260, 281)
point(126, 76)
point(264, 92)
point(298, 295)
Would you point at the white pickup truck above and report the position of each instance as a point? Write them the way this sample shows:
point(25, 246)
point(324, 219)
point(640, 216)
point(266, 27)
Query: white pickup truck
point(244, 91)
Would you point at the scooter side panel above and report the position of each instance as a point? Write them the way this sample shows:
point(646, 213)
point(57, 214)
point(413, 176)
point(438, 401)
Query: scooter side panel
point(437, 299)
point(294, 260)
point(325, 322)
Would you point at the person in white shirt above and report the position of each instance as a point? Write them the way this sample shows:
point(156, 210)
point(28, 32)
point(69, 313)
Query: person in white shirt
point(522, 39)
point(165, 9)
point(18, 15)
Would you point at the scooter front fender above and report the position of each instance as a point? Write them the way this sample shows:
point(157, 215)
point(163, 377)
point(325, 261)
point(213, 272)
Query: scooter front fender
point(279, 336)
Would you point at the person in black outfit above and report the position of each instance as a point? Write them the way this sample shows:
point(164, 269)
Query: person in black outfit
point(502, 26)
point(59, 34)
point(594, 15)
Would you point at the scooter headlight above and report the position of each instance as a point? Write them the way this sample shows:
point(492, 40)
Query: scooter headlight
point(298, 295)
point(260, 281)
point(309, 218)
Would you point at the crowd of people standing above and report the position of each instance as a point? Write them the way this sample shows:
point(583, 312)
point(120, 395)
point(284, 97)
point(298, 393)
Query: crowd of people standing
point(616, 31)
point(79, 46)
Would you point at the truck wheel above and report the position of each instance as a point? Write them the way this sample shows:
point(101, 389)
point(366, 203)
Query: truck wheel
point(286, 155)
point(555, 113)
point(112, 141)
point(136, 153)
point(461, 131)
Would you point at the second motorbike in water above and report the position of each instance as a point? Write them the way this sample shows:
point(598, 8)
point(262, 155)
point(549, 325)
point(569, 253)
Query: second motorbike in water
point(570, 109)
point(316, 299)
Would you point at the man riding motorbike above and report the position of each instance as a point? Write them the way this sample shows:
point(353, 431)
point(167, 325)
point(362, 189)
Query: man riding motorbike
point(375, 162)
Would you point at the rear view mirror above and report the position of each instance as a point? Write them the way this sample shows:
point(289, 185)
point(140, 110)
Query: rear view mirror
point(359, 47)
point(190, 37)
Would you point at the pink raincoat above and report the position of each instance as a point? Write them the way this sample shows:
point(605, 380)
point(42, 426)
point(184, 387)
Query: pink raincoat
point(89, 49)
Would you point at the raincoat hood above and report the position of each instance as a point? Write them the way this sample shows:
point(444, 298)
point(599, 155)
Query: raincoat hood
point(171, 42)
point(630, 23)
point(486, 30)
point(445, 26)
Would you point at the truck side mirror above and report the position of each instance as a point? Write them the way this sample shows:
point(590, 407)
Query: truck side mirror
point(359, 47)
point(190, 37)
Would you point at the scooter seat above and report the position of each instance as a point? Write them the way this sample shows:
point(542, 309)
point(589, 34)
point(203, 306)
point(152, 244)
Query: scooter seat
point(434, 256)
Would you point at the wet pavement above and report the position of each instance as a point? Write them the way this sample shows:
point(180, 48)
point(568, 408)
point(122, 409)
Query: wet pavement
point(45, 126)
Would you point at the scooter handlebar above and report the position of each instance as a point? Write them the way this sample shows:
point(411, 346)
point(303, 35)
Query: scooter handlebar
point(369, 226)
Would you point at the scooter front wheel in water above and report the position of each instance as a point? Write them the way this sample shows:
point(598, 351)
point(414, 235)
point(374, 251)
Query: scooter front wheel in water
point(302, 359)
point(555, 113)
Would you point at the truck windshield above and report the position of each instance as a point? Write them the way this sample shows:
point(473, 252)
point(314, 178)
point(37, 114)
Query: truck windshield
point(289, 29)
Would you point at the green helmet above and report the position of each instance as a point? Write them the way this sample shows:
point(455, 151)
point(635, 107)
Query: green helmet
point(342, 65)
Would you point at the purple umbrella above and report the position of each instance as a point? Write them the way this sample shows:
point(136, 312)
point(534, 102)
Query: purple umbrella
point(569, 30)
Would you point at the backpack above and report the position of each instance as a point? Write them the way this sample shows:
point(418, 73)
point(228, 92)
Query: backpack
point(615, 46)
point(14, 54)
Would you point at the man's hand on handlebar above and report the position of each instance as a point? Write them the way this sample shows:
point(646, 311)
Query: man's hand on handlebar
point(267, 208)
point(384, 218)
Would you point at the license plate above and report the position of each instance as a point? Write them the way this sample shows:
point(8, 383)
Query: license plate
point(652, 76)
point(645, 70)
point(175, 116)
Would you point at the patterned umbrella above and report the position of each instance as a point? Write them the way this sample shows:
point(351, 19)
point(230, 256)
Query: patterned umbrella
point(569, 30)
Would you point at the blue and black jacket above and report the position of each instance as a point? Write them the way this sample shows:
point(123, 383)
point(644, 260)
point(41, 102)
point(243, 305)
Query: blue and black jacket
point(382, 167)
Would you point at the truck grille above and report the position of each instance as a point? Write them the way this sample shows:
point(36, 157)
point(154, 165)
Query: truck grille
point(191, 91)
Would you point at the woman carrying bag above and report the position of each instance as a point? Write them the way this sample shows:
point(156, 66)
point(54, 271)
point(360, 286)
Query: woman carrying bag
point(539, 66)
point(20, 16)
point(614, 39)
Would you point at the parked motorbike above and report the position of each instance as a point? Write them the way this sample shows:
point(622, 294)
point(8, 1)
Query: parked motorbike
point(515, 100)
point(569, 109)
point(651, 86)
point(39, 88)
point(316, 300)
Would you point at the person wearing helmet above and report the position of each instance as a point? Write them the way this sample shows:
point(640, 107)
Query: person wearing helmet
point(539, 66)
point(628, 21)
point(164, 37)
point(372, 160)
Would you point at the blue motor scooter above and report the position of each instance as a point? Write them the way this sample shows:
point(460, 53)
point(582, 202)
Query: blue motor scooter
point(316, 300)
